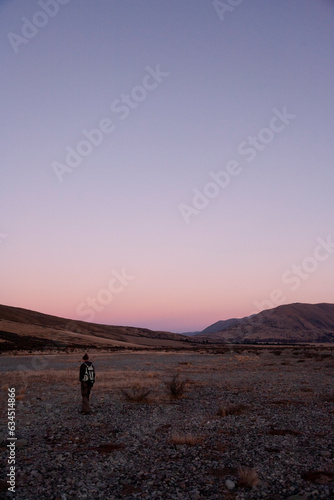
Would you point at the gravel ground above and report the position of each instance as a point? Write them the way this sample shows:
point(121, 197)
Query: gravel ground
point(253, 425)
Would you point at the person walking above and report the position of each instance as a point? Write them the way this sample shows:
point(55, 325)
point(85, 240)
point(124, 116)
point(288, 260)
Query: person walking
point(87, 379)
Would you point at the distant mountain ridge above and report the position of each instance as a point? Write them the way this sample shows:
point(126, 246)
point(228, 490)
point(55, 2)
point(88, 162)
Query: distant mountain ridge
point(219, 326)
point(296, 322)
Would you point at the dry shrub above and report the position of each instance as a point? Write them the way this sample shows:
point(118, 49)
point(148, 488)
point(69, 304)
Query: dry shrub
point(318, 476)
point(176, 388)
point(243, 358)
point(248, 477)
point(128, 489)
point(136, 394)
point(231, 410)
point(21, 394)
point(277, 352)
point(188, 439)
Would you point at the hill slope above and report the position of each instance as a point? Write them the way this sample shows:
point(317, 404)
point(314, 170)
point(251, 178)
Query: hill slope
point(219, 326)
point(25, 329)
point(286, 323)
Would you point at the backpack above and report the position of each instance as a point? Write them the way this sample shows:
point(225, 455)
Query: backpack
point(89, 374)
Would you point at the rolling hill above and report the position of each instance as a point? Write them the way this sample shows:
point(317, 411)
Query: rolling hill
point(29, 330)
point(292, 323)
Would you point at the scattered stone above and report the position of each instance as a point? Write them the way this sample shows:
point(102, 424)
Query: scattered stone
point(230, 485)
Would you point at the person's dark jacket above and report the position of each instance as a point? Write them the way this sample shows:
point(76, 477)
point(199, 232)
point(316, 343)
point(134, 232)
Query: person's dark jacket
point(83, 369)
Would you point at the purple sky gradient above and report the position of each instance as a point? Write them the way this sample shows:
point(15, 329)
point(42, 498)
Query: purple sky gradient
point(119, 211)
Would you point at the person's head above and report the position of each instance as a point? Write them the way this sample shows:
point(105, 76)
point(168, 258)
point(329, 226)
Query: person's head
point(85, 357)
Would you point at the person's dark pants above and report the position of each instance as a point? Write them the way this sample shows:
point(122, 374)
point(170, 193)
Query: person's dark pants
point(85, 392)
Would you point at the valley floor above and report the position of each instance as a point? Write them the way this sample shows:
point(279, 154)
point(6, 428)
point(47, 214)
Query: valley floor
point(251, 425)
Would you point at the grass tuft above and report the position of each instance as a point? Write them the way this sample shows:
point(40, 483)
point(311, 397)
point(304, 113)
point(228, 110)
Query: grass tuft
point(176, 387)
point(187, 439)
point(136, 394)
point(231, 410)
point(248, 477)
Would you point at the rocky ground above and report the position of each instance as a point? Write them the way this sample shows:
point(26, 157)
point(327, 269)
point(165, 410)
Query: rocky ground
point(251, 425)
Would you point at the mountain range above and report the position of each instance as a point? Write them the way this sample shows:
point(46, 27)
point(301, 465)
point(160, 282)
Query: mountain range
point(291, 323)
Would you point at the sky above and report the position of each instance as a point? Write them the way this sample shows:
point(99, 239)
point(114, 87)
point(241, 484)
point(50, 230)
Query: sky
point(166, 164)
